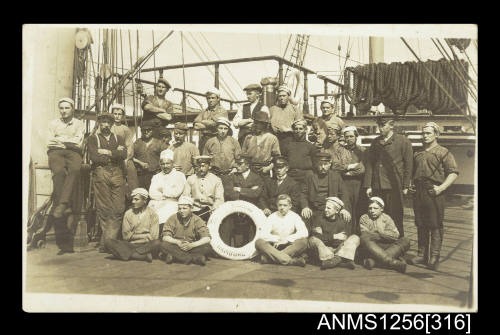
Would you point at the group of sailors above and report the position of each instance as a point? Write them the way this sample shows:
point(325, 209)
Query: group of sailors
point(325, 202)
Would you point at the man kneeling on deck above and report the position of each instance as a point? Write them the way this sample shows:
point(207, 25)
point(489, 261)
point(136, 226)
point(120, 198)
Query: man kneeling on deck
point(380, 238)
point(284, 236)
point(140, 231)
point(332, 239)
point(185, 236)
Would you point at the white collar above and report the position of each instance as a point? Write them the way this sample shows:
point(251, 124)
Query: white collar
point(245, 174)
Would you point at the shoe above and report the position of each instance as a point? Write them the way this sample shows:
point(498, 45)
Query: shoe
point(348, 264)
point(419, 259)
point(59, 211)
point(330, 263)
point(433, 263)
point(397, 265)
point(200, 260)
point(299, 261)
point(169, 259)
point(264, 259)
point(149, 258)
point(369, 263)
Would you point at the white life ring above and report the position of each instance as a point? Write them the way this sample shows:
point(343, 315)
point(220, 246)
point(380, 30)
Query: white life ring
point(239, 206)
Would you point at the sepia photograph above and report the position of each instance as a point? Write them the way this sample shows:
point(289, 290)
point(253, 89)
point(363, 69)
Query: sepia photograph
point(250, 167)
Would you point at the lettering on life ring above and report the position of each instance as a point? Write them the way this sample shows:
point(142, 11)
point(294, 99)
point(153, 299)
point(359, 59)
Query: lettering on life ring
point(239, 206)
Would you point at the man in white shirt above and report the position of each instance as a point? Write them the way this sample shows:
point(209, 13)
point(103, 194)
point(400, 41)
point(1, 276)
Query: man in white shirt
point(243, 118)
point(166, 187)
point(284, 236)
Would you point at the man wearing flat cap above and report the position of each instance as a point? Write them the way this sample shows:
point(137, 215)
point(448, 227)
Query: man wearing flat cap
point(261, 145)
point(140, 231)
point(183, 151)
point(156, 107)
point(186, 238)
point(243, 118)
point(243, 185)
point(321, 184)
point(300, 152)
point(389, 165)
point(353, 175)
point(147, 151)
point(381, 243)
point(281, 183)
point(121, 129)
point(205, 122)
point(333, 241)
point(65, 139)
point(435, 169)
point(222, 148)
point(107, 152)
point(282, 115)
point(204, 188)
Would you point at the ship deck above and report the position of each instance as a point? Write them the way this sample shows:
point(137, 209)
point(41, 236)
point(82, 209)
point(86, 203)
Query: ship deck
point(99, 274)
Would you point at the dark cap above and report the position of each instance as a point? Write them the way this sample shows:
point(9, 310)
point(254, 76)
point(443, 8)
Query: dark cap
point(323, 155)
point(261, 117)
point(164, 132)
point(383, 119)
point(163, 80)
point(106, 117)
point(181, 126)
point(202, 159)
point(280, 161)
point(245, 157)
point(148, 124)
point(253, 87)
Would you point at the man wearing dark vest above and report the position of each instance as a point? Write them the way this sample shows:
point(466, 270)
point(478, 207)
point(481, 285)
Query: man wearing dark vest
point(389, 166)
point(156, 107)
point(107, 152)
point(243, 118)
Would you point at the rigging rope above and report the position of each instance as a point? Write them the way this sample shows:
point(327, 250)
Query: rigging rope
point(332, 53)
point(133, 86)
point(184, 102)
point(154, 56)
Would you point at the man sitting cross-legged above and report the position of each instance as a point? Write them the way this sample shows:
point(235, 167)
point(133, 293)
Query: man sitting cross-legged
point(185, 236)
point(139, 230)
point(332, 239)
point(284, 236)
point(380, 238)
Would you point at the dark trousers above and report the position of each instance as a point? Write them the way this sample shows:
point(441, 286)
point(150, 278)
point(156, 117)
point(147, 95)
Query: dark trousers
point(110, 200)
point(144, 179)
point(284, 139)
point(429, 237)
point(65, 166)
point(203, 139)
point(64, 236)
point(203, 213)
point(391, 208)
point(132, 178)
point(353, 187)
point(299, 175)
point(182, 256)
point(124, 250)
point(237, 230)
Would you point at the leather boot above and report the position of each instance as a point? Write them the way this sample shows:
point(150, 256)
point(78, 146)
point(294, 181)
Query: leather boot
point(330, 263)
point(298, 261)
point(433, 263)
point(369, 263)
point(200, 260)
point(421, 258)
point(385, 257)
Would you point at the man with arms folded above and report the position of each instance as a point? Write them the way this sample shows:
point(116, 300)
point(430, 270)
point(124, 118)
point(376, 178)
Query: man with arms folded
point(185, 236)
point(222, 148)
point(140, 231)
point(332, 239)
point(282, 115)
point(284, 236)
point(157, 108)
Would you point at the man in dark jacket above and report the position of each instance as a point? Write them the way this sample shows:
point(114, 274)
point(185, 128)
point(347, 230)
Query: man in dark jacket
point(282, 183)
point(243, 120)
point(243, 185)
point(389, 167)
point(321, 184)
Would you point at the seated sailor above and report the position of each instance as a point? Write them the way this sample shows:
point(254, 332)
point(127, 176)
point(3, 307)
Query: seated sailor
point(186, 238)
point(139, 231)
point(166, 187)
point(380, 238)
point(284, 236)
point(205, 188)
point(332, 240)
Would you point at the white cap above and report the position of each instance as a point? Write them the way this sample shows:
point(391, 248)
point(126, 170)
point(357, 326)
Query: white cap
point(378, 200)
point(213, 90)
point(167, 155)
point(140, 191)
point(117, 106)
point(336, 201)
point(71, 101)
point(351, 128)
point(185, 200)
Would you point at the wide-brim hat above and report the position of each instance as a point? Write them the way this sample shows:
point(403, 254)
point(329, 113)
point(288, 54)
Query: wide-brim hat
point(261, 117)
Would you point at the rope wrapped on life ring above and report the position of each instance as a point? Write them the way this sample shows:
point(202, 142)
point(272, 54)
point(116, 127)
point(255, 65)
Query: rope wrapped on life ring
point(248, 251)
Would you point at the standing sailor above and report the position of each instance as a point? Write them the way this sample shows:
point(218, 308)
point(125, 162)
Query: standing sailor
point(183, 151)
point(283, 115)
point(65, 160)
point(120, 128)
point(156, 107)
point(328, 114)
point(435, 170)
point(389, 167)
point(107, 152)
point(205, 122)
point(340, 155)
point(243, 119)
point(222, 148)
